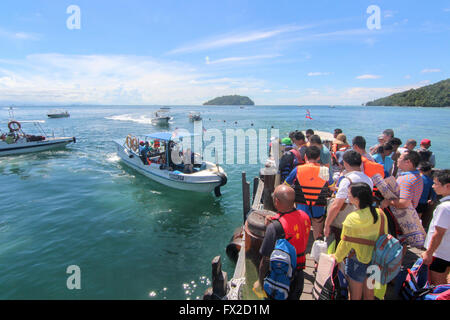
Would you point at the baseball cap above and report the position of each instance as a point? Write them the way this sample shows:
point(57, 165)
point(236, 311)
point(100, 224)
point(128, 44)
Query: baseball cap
point(426, 142)
point(286, 141)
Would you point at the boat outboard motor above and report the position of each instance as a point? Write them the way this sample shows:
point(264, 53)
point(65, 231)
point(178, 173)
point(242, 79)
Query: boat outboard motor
point(223, 182)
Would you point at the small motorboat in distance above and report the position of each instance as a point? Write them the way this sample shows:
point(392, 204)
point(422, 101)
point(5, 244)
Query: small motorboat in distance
point(194, 116)
point(159, 164)
point(58, 114)
point(17, 141)
point(161, 117)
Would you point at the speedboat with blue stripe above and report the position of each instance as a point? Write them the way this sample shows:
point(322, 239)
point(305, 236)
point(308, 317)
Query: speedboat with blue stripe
point(164, 162)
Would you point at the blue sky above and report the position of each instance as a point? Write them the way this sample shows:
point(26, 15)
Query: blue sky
point(187, 52)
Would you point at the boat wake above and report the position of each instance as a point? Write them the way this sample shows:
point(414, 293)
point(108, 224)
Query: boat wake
point(143, 119)
point(112, 157)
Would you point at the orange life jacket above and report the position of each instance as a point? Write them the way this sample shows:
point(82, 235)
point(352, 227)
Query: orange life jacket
point(296, 226)
point(335, 148)
point(371, 168)
point(309, 188)
point(156, 144)
point(339, 147)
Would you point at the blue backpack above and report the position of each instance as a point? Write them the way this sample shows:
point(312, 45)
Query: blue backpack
point(283, 262)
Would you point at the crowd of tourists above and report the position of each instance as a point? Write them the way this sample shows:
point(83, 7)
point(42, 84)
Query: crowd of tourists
point(329, 189)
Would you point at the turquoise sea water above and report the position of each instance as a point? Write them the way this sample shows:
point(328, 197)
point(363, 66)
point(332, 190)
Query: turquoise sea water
point(134, 238)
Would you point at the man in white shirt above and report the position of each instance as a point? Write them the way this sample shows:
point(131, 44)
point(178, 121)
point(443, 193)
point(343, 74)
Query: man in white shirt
point(437, 243)
point(352, 164)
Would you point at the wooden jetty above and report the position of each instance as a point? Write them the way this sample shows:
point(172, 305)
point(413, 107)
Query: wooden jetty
point(237, 287)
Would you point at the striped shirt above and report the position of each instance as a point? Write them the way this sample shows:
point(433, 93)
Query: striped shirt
point(411, 186)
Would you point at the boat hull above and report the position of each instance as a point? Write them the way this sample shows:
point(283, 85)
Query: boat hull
point(162, 120)
point(35, 146)
point(196, 182)
point(55, 116)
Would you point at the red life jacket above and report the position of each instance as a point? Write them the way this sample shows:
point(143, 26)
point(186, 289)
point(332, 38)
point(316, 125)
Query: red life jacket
point(296, 226)
point(297, 156)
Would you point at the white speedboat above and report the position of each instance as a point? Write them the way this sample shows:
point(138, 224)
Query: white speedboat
point(194, 116)
point(58, 114)
point(158, 165)
point(18, 142)
point(161, 117)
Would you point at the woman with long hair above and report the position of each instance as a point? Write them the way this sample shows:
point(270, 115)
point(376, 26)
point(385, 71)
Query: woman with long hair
point(363, 223)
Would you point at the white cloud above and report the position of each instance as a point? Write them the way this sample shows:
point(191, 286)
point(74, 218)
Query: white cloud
point(431, 70)
point(233, 39)
point(368, 76)
point(247, 58)
point(333, 96)
point(112, 79)
point(389, 13)
point(19, 35)
point(316, 74)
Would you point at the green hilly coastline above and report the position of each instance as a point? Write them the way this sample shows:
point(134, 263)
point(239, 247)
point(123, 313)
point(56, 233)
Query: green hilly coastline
point(234, 100)
point(435, 95)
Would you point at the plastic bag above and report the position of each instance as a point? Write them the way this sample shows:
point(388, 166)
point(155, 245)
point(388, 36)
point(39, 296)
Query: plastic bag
point(318, 247)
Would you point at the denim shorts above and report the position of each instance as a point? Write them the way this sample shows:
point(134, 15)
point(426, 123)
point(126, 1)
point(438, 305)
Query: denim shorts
point(356, 270)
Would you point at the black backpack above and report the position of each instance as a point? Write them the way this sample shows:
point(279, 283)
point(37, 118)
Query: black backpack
point(425, 155)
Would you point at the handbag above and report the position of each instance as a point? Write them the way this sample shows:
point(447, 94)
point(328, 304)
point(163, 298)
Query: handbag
point(342, 215)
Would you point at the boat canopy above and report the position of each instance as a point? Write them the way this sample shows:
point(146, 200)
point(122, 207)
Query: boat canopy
point(324, 136)
point(168, 136)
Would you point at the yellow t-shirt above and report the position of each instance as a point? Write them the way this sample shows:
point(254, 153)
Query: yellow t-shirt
point(359, 224)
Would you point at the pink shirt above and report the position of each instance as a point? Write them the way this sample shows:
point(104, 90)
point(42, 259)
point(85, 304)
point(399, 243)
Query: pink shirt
point(411, 186)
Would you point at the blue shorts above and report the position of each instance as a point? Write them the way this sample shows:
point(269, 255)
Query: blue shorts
point(356, 270)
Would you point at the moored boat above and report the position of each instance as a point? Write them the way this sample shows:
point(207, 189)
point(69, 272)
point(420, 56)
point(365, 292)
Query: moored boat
point(18, 142)
point(58, 114)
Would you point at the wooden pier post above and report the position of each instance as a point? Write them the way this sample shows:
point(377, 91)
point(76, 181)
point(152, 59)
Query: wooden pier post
point(268, 176)
point(245, 196)
point(255, 187)
point(219, 281)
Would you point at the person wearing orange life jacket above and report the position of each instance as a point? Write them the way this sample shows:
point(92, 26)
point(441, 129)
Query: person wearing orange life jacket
point(339, 145)
point(311, 184)
point(368, 165)
point(293, 225)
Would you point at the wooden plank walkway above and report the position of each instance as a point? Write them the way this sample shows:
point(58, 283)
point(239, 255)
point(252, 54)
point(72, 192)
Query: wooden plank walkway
point(411, 256)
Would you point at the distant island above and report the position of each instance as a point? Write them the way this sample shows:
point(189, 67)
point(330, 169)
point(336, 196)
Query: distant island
point(435, 95)
point(234, 100)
